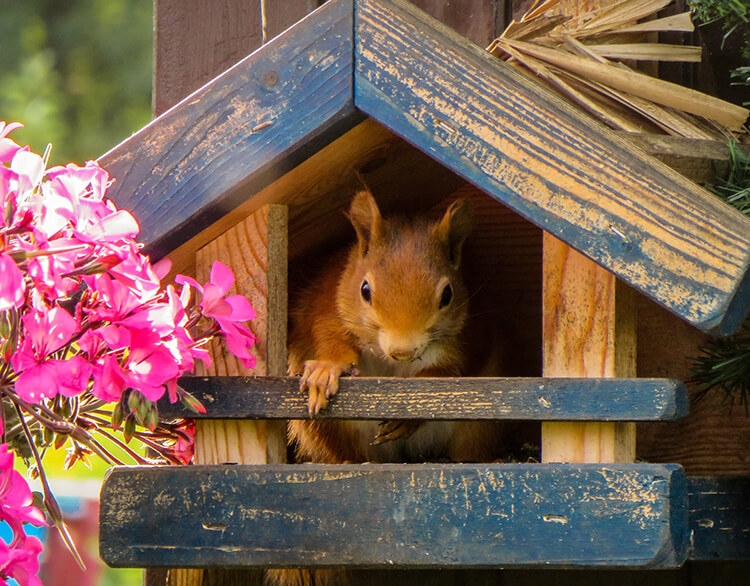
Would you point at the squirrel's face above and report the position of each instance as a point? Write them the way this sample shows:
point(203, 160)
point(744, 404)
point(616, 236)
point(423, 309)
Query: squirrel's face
point(403, 297)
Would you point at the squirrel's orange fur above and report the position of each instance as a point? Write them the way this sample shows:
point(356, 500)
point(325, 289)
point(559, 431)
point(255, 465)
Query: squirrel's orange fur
point(394, 305)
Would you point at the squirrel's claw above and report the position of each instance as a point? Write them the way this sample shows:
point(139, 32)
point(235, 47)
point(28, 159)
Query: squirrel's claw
point(321, 379)
point(395, 429)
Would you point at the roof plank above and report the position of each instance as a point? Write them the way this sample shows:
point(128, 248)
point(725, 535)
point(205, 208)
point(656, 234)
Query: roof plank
point(523, 145)
point(567, 399)
point(381, 516)
point(238, 133)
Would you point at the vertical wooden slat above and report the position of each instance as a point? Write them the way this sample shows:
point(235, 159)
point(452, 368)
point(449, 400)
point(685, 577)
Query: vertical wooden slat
point(256, 250)
point(480, 21)
point(279, 15)
point(195, 40)
point(589, 330)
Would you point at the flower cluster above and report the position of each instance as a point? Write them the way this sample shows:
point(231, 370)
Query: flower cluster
point(19, 559)
point(85, 321)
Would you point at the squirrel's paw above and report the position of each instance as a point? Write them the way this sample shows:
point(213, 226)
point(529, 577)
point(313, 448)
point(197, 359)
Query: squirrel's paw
point(321, 379)
point(395, 429)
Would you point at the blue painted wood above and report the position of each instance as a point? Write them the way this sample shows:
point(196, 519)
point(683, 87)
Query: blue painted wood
point(524, 146)
point(719, 517)
point(240, 132)
point(442, 398)
point(411, 516)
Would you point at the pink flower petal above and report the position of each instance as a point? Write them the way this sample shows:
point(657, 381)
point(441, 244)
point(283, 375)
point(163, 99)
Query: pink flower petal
point(11, 284)
point(222, 276)
point(37, 383)
point(73, 375)
point(241, 308)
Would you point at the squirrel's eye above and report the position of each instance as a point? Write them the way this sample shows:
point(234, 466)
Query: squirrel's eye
point(446, 297)
point(365, 290)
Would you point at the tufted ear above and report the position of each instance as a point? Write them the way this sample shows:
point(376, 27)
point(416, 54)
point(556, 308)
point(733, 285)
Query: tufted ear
point(454, 228)
point(366, 219)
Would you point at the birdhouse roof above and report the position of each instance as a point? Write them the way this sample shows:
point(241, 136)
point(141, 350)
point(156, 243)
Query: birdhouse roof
point(328, 88)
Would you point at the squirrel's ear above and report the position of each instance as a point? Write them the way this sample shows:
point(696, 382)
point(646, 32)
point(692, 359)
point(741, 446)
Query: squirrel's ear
point(454, 228)
point(365, 217)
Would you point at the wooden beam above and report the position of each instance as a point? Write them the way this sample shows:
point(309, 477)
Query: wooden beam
point(701, 161)
point(588, 331)
point(446, 398)
point(576, 179)
point(427, 515)
point(238, 133)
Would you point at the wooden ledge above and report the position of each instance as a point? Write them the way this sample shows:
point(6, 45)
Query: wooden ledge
point(441, 398)
point(407, 516)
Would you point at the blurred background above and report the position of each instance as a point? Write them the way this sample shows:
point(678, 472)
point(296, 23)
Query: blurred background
point(78, 75)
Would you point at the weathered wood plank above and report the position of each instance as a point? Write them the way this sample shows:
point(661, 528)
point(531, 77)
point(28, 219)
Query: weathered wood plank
point(698, 160)
point(442, 398)
point(238, 133)
point(588, 330)
point(524, 146)
point(480, 21)
point(719, 517)
point(417, 516)
point(195, 40)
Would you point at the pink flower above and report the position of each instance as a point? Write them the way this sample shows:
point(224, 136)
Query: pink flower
point(117, 300)
point(109, 380)
point(227, 312)
point(8, 148)
point(11, 284)
point(45, 332)
point(19, 559)
point(149, 365)
point(21, 562)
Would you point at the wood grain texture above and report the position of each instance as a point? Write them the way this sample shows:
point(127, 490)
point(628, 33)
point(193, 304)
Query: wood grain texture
point(588, 330)
point(441, 398)
point(239, 133)
point(480, 21)
point(427, 515)
point(524, 146)
point(720, 517)
point(279, 15)
point(195, 40)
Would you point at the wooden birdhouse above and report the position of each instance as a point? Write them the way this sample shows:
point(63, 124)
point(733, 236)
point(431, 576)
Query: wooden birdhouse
point(584, 240)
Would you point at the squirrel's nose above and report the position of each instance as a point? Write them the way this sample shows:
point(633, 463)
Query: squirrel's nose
point(403, 348)
point(404, 355)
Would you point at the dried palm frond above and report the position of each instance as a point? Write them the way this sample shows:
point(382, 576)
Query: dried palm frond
point(579, 57)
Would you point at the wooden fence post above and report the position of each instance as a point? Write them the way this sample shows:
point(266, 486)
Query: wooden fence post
point(588, 331)
point(256, 250)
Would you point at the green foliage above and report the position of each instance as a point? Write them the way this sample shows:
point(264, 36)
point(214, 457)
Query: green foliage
point(735, 187)
point(724, 363)
point(77, 73)
point(734, 16)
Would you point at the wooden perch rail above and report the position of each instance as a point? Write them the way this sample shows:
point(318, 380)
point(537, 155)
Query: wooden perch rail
point(381, 516)
point(446, 398)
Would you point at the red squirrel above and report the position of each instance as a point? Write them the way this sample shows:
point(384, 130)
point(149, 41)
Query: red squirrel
point(394, 304)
